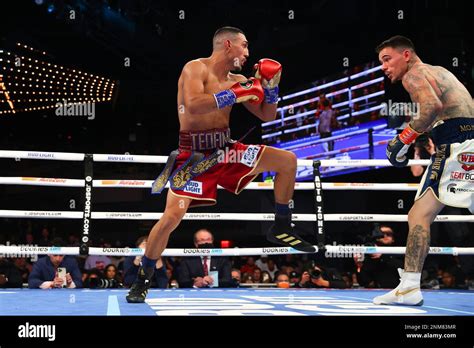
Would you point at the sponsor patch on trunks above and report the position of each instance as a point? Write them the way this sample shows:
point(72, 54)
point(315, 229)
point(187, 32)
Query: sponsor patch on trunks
point(467, 160)
point(194, 187)
point(250, 155)
point(462, 176)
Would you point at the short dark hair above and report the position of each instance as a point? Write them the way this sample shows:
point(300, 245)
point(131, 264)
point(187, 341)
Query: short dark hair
point(325, 103)
point(228, 29)
point(397, 41)
point(221, 32)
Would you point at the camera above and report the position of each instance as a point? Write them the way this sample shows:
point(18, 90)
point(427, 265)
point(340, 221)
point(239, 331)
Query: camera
point(98, 283)
point(314, 273)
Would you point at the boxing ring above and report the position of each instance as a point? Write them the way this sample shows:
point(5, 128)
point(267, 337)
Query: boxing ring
point(223, 302)
point(226, 302)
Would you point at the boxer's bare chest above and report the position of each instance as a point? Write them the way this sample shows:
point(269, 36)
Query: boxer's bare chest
point(218, 118)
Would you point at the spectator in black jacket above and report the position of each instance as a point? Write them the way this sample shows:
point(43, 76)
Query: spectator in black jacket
point(378, 270)
point(10, 276)
point(199, 271)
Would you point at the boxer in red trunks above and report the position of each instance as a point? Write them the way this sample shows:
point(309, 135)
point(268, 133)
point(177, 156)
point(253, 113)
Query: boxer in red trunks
point(207, 156)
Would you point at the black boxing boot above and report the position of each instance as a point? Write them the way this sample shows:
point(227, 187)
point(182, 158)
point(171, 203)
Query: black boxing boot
point(282, 231)
point(142, 283)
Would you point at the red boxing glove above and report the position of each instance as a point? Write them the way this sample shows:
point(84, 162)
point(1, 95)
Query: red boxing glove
point(250, 90)
point(269, 72)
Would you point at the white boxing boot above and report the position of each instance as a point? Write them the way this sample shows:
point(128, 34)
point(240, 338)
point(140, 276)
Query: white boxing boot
point(407, 293)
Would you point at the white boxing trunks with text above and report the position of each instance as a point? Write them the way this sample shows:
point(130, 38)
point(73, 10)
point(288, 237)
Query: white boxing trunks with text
point(450, 175)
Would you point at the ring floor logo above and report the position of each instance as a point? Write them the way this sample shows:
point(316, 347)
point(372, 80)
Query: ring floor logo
point(275, 303)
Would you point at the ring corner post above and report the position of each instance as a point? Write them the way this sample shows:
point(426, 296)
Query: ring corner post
point(318, 204)
point(87, 200)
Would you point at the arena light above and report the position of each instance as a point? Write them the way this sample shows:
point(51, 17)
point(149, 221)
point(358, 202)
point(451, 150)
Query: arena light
point(226, 244)
point(40, 79)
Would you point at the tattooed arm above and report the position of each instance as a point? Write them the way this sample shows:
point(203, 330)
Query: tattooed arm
point(422, 93)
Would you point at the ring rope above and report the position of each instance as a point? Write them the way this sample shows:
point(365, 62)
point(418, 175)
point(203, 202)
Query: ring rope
point(222, 216)
point(31, 250)
point(347, 149)
point(336, 137)
point(331, 250)
point(145, 184)
point(66, 156)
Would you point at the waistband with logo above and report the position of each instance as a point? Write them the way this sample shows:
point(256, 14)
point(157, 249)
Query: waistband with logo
point(454, 130)
point(209, 139)
point(197, 163)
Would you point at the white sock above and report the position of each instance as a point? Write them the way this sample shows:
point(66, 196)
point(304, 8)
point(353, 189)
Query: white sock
point(410, 280)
